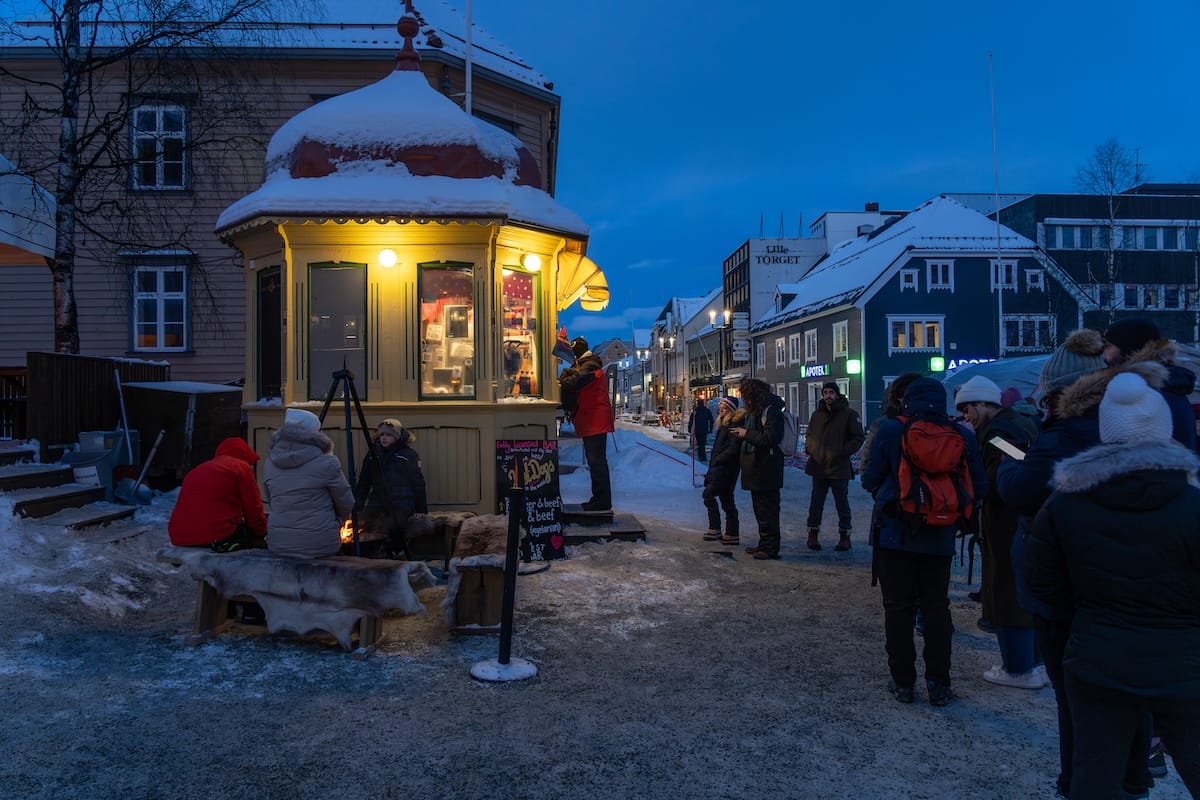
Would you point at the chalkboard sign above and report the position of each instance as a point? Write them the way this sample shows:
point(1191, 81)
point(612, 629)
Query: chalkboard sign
point(533, 465)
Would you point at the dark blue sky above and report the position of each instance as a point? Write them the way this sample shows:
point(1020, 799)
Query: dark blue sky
point(682, 122)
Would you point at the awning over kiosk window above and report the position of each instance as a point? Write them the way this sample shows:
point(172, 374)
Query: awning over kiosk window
point(580, 278)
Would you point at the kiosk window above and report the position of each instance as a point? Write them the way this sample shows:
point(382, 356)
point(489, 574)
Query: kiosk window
point(521, 356)
point(337, 313)
point(447, 297)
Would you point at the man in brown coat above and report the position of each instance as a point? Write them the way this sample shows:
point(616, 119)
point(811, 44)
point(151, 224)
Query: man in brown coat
point(834, 434)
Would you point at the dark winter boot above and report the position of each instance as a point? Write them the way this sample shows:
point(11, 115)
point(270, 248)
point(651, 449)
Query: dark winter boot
point(843, 541)
point(813, 533)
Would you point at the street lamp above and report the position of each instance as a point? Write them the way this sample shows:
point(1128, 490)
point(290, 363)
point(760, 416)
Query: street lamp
point(643, 356)
point(712, 321)
point(668, 341)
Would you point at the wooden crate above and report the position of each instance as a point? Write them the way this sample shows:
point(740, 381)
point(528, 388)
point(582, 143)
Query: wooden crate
point(478, 602)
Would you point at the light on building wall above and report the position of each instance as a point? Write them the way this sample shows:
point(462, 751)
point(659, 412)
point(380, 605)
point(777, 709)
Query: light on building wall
point(853, 366)
point(531, 262)
point(387, 258)
point(937, 364)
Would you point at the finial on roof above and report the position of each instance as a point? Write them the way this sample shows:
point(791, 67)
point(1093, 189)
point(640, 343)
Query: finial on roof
point(407, 59)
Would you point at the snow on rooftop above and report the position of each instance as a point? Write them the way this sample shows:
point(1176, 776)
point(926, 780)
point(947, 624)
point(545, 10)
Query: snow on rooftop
point(323, 25)
point(400, 110)
point(940, 224)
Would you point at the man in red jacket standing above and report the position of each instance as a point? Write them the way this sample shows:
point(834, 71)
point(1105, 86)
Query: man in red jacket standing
point(592, 417)
point(219, 504)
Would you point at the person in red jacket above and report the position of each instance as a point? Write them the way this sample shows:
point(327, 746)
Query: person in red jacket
point(219, 505)
point(592, 417)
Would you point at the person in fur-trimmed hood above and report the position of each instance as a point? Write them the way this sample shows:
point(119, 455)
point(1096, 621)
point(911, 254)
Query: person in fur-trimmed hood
point(1119, 542)
point(391, 485)
point(1134, 340)
point(306, 488)
point(723, 469)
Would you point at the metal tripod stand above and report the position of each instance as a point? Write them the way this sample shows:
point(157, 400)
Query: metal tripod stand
point(344, 379)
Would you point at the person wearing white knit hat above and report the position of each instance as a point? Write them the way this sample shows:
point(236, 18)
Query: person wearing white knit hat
point(1117, 542)
point(306, 488)
point(978, 400)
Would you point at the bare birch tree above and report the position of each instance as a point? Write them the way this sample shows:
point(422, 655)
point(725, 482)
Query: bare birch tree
point(72, 130)
point(1111, 170)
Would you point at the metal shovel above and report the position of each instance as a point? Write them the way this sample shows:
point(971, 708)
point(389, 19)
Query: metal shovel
point(132, 492)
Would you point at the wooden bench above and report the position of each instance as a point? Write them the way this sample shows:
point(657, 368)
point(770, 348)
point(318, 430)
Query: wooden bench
point(475, 579)
point(339, 594)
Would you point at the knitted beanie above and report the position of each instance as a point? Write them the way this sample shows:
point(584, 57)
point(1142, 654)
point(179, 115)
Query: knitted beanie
point(1132, 333)
point(978, 390)
point(1081, 353)
point(579, 346)
point(304, 420)
point(830, 385)
point(1131, 411)
point(391, 426)
point(728, 401)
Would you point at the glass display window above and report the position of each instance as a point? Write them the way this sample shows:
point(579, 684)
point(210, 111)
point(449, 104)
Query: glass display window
point(448, 335)
point(520, 358)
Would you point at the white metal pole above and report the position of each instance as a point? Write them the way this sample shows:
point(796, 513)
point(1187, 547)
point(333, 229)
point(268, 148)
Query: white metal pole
point(996, 194)
point(467, 104)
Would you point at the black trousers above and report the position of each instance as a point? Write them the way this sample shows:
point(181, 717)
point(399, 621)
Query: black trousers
point(711, 495)
point(242, 538)
point(910, 581)
point(595, 451)
point(701, 442)
point(1051, 637)
point(841, 501)
point(766, 512)
point(1106, 724)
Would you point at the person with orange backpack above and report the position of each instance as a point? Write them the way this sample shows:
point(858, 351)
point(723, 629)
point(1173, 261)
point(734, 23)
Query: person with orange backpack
point(927, 479)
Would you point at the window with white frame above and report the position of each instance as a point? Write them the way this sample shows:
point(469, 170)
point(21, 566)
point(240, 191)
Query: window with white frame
point(158, 140)
point(913, 333)
point(908, 279)
point(760, 355)
point(781, 389)
point(841, 339)
point(781, 352)
point(1151, 294)
point(814, 398)
point(793, 398)
point(1029, 332)
point(1004, 274)
point(810, 345)
point(160, 308)
point(1171, 297)
point(1035, 280)
point(939, 275)
point(794, 349)
point(843, 385)
point(1129, 295)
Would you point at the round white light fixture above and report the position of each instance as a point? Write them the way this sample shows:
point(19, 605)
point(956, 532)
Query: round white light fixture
point(531, 262)
point(387, 258)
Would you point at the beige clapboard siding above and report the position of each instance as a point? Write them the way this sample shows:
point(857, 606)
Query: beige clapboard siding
point(28, 311)
point(275, 90)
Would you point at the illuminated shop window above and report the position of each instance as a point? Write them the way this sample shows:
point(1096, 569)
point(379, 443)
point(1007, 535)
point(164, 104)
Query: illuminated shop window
point(447, 297)
point(521, 359)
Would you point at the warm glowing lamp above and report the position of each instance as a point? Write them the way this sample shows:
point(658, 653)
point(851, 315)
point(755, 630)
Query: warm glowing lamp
point(531, 262)
point(387, 257)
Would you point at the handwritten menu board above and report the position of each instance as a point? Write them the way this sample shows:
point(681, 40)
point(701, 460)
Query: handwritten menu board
point(533, 465)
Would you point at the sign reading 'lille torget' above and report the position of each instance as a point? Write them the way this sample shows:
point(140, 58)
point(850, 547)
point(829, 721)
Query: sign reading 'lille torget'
point(777, 254)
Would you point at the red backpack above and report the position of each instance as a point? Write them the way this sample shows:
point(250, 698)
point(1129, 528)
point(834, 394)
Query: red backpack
point(935, 480)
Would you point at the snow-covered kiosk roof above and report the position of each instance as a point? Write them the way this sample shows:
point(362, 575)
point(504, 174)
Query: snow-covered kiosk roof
point(399, 151)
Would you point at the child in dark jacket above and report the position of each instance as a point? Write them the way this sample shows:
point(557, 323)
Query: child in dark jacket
point(391, 486)
point(723, 468)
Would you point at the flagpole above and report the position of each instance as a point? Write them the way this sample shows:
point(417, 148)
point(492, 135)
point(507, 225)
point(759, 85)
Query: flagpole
point(467, 104)
point(996, 196)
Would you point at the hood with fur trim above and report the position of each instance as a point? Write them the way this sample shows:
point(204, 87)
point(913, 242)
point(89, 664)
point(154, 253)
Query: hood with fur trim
point(1102, 463)
point(292, 446)
point(1084, 395)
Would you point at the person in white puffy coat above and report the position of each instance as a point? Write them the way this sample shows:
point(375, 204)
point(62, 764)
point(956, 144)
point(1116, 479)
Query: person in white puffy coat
point(306, 489)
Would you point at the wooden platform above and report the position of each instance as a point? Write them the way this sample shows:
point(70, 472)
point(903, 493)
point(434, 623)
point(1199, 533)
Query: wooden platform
point(584, 527)
point(90, 515)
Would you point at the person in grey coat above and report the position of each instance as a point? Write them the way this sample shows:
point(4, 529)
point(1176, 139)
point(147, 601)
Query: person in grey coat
point(306, 488)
